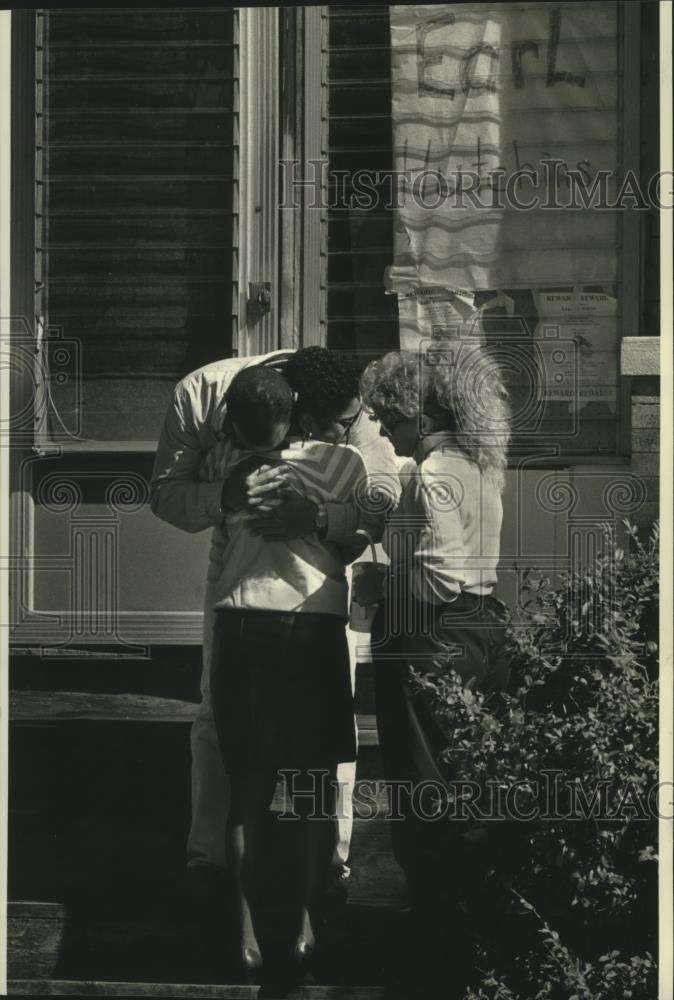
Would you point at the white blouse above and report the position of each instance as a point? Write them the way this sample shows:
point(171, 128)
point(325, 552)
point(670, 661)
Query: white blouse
point(444, 536)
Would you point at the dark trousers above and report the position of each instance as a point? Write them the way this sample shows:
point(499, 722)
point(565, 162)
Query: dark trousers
point(467, 636)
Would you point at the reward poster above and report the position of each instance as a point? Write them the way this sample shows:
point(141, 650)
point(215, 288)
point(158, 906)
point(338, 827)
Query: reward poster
point(577, 345)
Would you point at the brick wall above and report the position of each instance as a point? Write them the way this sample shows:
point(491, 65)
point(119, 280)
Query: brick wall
point(646, 452)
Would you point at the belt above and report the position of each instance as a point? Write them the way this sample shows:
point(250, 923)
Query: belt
point(286, 617)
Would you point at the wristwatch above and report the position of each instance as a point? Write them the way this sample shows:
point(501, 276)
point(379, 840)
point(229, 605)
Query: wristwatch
point(321, 519)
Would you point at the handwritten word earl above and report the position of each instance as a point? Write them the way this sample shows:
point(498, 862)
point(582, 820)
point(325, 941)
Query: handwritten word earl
point(469, 83)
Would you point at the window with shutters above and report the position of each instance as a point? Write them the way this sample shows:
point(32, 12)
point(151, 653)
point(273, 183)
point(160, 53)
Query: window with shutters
point(136, 237)
point(143, 218)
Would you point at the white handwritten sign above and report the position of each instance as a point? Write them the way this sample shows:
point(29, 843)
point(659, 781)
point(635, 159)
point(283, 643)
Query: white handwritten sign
point(481, 92)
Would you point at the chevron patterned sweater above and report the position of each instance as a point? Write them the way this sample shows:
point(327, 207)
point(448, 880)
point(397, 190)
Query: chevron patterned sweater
point(300, 575)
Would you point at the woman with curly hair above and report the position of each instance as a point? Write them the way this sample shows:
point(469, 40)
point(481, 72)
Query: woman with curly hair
point(447, 411)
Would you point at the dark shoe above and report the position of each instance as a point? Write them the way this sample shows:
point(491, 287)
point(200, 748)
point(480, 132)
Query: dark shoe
point(302, 960)
point(250, 958)
point(303, 952)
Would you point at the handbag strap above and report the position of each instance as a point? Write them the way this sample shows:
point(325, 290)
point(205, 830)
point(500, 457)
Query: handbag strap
point(373, 551)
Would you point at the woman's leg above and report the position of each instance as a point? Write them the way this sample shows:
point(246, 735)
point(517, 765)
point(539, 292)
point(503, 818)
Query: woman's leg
point(251, 782)
point(315, 842)
point(251, 795)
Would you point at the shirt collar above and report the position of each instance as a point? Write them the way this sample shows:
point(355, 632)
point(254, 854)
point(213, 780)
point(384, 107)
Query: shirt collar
point(430, 442)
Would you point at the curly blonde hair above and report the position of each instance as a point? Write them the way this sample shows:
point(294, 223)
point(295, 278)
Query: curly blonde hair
point(460, 386)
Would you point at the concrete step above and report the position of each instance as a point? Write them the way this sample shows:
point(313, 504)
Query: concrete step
point(99, 812)
point(153, 943)
point(69, 706)
point(27, 987)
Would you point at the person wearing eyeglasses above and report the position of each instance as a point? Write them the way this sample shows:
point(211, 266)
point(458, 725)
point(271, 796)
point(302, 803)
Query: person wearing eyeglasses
point(327, 407)
point(447, 413)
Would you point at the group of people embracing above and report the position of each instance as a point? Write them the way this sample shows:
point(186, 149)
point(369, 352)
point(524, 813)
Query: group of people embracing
point(299, 462)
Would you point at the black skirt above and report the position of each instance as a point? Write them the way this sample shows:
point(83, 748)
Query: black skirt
point(281, 690)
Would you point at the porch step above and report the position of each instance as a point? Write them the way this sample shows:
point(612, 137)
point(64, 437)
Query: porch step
point(54, 987)
point(70, 706)
point(52, 941)
point(99, 818)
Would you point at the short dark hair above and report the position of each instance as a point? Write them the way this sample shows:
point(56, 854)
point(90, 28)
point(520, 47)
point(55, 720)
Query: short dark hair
point(325, 381)
point(258, 398)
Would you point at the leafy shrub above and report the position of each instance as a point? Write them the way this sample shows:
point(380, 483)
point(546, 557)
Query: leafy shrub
point(580, 720)
point(552, 972)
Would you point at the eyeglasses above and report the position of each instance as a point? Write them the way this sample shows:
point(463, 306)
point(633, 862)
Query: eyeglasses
point(348, 422)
